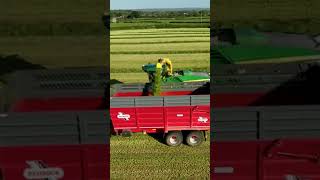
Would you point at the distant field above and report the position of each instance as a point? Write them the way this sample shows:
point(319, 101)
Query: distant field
point(157, 23)
point(143, 157)
point(188, 48)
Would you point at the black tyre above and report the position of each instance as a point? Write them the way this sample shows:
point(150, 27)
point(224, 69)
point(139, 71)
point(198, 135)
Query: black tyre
point(126, 133)
point(174, 138)
point(194, 138)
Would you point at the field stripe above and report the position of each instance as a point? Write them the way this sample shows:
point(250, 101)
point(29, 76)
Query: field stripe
point(132, 70)
point(156, 40)
point(163, 30)
point(157, 33)
point(160, 42)
point(161, 52)
point(147, 37)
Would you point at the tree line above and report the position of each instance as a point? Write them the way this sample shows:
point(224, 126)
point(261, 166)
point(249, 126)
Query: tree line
point(132, 14)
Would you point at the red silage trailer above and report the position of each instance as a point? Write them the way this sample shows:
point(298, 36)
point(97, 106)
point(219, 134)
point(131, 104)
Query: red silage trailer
point(55, 125)
point(178, 115)
point(54, 145)
point(74, 89)
point(268, 128)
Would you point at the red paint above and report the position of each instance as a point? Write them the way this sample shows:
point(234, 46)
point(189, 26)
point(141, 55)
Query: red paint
point(250, 160)
point(58, 104)
point(155, 119)
point(166, 93)
point(128, 94)
point(234, 99)
point(77, 161)
point(176, 93)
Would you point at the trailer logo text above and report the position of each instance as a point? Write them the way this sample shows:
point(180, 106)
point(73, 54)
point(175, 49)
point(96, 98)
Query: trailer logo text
point(202, 119)
point(38, 170)
point(123, 116)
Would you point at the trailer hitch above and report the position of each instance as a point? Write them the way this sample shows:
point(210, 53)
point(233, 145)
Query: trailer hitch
point(272, 151)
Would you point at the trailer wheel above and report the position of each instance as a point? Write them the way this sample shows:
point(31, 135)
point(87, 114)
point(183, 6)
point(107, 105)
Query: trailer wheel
point(194, 138)
point(174, 138)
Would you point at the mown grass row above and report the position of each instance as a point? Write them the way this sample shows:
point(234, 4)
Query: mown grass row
point(173, 48)
point(162, 42)
point(126, 26)
point(161, 30)
point(158, 33)
point(160, 36)
point(168, 52)
point(159, 40)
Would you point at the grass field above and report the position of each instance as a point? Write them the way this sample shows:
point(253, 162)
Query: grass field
point(53, 34)
point(143, 157)
point(36, 17)
point(57, 51)
point(188, 48)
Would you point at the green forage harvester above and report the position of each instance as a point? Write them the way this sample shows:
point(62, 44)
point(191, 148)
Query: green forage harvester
point(157, 81)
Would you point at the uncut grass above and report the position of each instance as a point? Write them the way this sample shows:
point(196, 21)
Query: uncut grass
point(192, 47)
point(161, 42)
point(157, 40)
point(143, 157)
point(159, 36)
point(158, 33)
point(57, 51)
point(129, 77)
point(133, 62)
point(161, 30)
point(122, 26)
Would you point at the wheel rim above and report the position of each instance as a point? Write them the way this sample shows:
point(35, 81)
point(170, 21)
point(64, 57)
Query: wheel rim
point(194, 139)
point(173, 140)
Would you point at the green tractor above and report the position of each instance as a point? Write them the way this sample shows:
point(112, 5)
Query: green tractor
point(184, 76)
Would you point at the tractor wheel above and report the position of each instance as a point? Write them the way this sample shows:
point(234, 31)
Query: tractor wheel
point(194, 138)
point(174, 138)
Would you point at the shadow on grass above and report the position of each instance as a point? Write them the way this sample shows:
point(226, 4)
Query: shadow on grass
point(158, 137)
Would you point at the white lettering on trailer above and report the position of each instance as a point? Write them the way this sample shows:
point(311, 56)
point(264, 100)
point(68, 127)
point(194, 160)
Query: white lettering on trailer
point(179, 115)
point(223, 170)
point(202, 119)
point(123, 116)
point(38, 170)
point(294, 177)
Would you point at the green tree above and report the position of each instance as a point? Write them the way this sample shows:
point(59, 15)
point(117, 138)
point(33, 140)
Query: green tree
point(134, 15)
